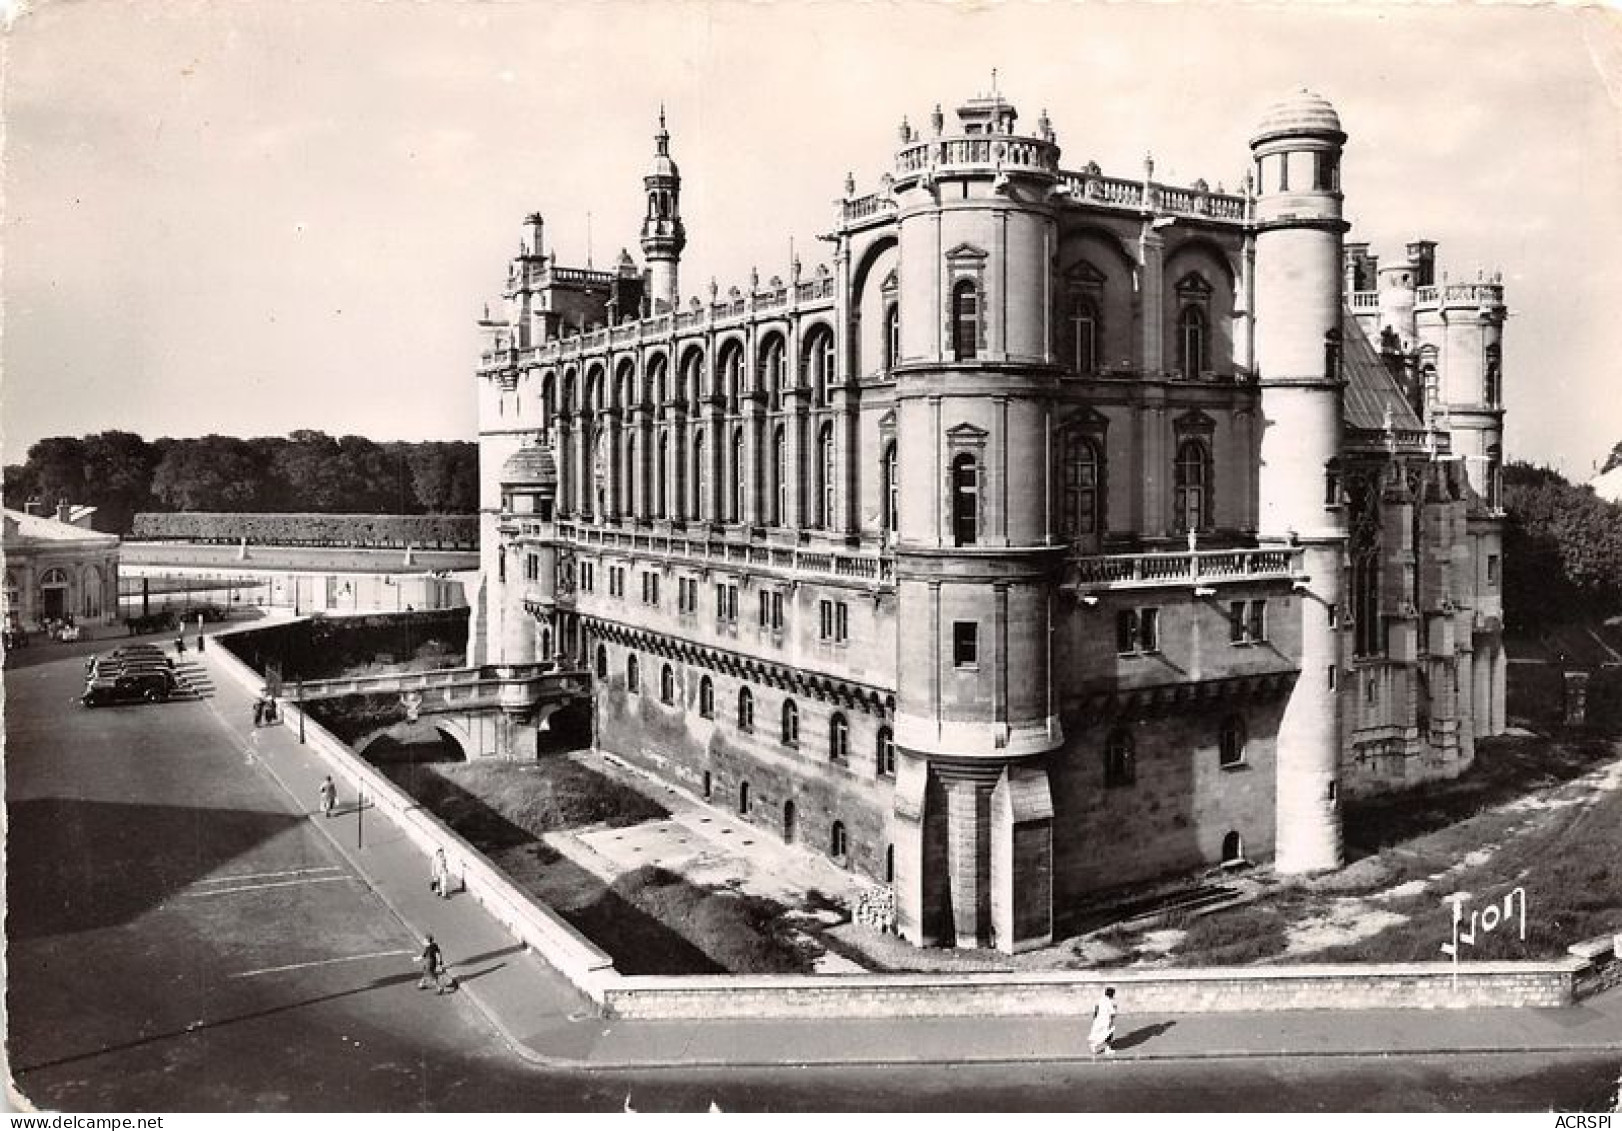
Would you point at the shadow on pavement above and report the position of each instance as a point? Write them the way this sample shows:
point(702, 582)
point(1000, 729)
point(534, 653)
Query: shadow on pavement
point(95, 864)
point(198, 1026)
point(1142, 1036)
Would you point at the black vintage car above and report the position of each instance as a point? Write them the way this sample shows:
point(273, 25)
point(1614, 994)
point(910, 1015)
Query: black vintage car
point(129, 685)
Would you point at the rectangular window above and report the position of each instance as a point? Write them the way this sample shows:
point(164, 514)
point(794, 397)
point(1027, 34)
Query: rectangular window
point(586, 579)
point(1247, 622)
point(1492, 571)
point(965, 643)
point(532, 567)
point(1126, 631)
point(833, 622)
point(771, 611)
point(1136, 631)
point(650, 589)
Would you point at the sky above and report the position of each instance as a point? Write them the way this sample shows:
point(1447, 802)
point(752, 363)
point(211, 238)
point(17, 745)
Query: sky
point(255, 216)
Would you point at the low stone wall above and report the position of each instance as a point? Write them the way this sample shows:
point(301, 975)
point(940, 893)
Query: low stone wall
point(1430, 985)
point(532, 923)
point(1066, 994)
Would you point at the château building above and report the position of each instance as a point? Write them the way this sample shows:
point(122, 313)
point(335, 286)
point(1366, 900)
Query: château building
point(1066, 531)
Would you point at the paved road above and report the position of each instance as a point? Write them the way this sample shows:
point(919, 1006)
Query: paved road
point(182, 937)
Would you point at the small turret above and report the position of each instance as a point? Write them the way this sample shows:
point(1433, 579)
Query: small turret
point(663, 236)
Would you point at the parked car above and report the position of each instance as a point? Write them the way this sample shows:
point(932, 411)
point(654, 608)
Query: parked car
point(136, 655)
point(153, 685)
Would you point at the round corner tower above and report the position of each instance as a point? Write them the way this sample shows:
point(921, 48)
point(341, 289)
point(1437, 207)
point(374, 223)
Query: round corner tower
point(1299, 304)
point(976, 559)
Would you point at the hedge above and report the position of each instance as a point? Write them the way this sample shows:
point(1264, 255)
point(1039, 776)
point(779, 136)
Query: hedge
point(381, 531)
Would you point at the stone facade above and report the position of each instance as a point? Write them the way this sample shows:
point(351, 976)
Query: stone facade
point(57, 568)
point(1064, 532)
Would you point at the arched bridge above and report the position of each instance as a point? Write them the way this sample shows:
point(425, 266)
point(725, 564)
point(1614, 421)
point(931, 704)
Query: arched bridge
point(495, 710)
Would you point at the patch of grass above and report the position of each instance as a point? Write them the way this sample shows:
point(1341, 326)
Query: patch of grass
point(1230, 938)
point(736, 932)
point(1570, 866)
point(1505, 768)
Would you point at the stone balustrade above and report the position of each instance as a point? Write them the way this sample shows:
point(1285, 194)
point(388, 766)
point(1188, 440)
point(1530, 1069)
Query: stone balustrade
point(1461, 294)
point(1365, 300)
point(1157, 570)
point(877, 569)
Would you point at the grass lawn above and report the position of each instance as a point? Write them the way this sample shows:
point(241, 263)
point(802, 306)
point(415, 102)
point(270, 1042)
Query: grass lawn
point(650, 921)
point(1564, 850)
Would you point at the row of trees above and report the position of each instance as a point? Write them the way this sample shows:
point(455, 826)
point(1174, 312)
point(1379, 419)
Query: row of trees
point(1562, 549)
point(120, 473)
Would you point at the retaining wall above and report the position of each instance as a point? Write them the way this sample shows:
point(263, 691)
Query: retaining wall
point(880, 996)
point(532, 923)
point(1065, 994)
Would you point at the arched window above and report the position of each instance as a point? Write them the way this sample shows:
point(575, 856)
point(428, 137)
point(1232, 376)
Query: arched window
point(892, 336)
point(788, 821)
point(691, 386)
point(771, 372)
point(628, 491)
point(632, 677)
point(837, 846)
point(1493, 389)
point(1120, 759)
point(891, 490)
point(889, 863)
point(548, 401)
point(885, 753)
point(965, 501)
point(819, 362)
point(667, 685)
point(746, 710)
point(1192, 351)
point(731, 376)
point(90, 592)
point(735, 483)
point(965, 320)
point(791, 723)
point(1231, 742)
point(838, 739)
point(602, 662)
point(743, 799)
point(1193, 480)
point(701, 481)
point(1081, 482)
point(827, 477)
point(659, 384)
point(1083, 327)
point(661, 482)
point(706, 698)
point(779, 477)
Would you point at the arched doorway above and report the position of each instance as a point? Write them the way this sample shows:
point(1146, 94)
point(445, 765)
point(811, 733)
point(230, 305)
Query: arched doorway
point(788, 822)
point(1233, 849)
point(53, 595)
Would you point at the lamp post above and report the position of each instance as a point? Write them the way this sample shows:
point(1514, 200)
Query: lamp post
point(301, 711)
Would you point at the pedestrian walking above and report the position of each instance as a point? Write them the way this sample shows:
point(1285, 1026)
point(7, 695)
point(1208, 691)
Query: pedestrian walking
point(433, 967)
point(440, 878)
point(329, 796)
point(259, 712)
point(1102, 1035)
point(180, 644)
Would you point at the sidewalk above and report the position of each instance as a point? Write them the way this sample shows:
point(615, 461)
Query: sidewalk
point(547, 1021)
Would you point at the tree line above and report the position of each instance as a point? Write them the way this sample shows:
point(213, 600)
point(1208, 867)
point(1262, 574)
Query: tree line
point(1562, 549)
point(122, 474)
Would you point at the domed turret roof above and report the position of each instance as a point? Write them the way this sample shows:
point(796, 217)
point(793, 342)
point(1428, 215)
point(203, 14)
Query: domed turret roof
point(662, 165)
point(530, 466)
point(1300, 113)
